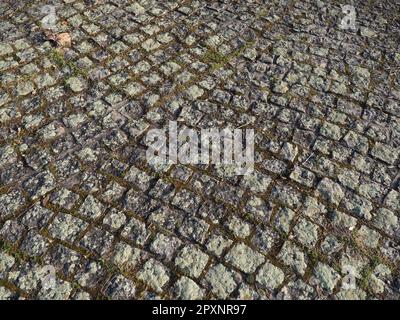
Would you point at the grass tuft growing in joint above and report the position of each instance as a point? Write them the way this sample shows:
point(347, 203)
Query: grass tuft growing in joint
point(58, 58)
point(215, 58)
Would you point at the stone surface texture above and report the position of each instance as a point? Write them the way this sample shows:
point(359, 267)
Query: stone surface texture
point(79, 201)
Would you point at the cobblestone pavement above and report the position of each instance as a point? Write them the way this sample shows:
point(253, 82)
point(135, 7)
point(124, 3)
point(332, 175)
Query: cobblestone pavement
point(318, 218)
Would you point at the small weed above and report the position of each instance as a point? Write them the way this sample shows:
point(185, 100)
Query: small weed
point(365, 275)
point(218, 60)
point(215, 58)
point(262, 13)
point(8, 248)
point(375, 260)
point(57, 58)
point(60, 61)
point(108, 266)
point(76, 286)
point(313, 256)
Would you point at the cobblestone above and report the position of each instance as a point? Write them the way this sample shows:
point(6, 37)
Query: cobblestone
point(77, 192)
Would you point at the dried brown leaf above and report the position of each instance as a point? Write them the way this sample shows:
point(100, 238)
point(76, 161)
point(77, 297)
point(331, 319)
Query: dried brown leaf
point(64, 39)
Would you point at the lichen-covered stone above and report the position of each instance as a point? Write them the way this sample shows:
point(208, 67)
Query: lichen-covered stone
point(120, 288)
point(325, 277)
point(40, 184)
point(283, 219)
point(306, 232)
point(66, 227)
point(244, 258)
point(293, 257)
point(386, 220)
point(368, 237)
point(217, 244)
point(191, 261)
point(330, 191)
point(186, 289)
point(75, 84)
point(91, 208)
point(221, 281)
point(270, 276)
point(154, 274)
